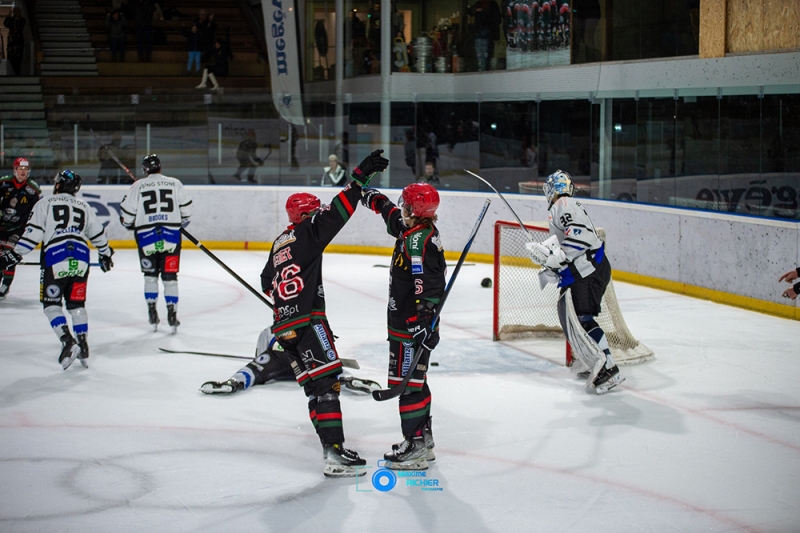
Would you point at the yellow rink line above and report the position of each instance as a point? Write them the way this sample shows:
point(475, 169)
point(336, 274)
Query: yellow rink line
point(744, 302)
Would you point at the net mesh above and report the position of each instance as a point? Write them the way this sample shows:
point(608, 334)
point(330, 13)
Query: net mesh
point(523, 309)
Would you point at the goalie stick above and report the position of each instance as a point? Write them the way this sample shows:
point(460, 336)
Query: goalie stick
point(183, 230)
point(397, 390)
point(347, 363)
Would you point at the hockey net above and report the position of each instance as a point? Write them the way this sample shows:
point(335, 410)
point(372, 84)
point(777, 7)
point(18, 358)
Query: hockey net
point(522, 309)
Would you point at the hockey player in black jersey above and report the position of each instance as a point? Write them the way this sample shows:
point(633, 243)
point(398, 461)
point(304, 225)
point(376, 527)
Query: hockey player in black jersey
point(18, 195)
point(271, 363)
point(416, 286)
point(293, 278)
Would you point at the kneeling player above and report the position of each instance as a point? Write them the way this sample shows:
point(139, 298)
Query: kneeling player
point(63, 223)
point(575, 256)
point(416, 286)
point(293, 277)
point(273, 364)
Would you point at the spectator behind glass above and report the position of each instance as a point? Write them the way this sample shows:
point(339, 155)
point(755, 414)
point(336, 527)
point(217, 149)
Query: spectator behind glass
point(207, 31)
point(116, 35)
point(217, 62)
point(16, 39)
point(431, 174)
point(487, 30)
point(334, 174)
point(193, 47)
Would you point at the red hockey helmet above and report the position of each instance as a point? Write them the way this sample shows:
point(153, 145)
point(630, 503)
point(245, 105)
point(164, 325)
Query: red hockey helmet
point(21, 162)
point(300, 204)
point(422, 198)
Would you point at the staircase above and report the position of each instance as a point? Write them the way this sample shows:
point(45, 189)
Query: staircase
point(24, 126)
point(66, 47)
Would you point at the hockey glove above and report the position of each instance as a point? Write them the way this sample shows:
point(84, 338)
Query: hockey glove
point(420, 329)
point(105, 260)
point(370, 166)
point(373, 199)
point(185, 223)
point(9, 258)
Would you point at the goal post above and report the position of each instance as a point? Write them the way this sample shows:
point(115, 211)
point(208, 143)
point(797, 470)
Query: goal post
point(522, 309)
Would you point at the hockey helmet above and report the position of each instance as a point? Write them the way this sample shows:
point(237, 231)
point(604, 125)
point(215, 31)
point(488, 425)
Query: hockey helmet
point(301, 204)
point(151, 164)
point(67, 181)
point(421, 199)
point(559, 183)
point(21, 163)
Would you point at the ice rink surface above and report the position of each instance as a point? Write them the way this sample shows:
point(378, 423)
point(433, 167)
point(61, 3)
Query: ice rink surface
point(704, 438)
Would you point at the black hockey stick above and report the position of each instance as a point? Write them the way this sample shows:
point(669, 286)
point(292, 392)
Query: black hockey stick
point(397, 390)
point(347, 363)
point(183, 230)
point(519, 220)
point(37, 263)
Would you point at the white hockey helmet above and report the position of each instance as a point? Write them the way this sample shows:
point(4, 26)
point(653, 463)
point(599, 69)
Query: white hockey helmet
point(559, 183)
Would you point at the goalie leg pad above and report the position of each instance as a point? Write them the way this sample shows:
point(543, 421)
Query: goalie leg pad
point(584, 347)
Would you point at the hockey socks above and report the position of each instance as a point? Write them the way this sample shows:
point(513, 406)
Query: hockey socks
point(151, 289)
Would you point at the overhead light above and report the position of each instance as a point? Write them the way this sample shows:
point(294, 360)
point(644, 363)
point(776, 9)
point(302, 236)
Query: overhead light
point(617, 127)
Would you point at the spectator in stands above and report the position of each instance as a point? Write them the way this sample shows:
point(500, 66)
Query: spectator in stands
point(143, 18)
point(207, 31)
point(487, 30)
point(217, 62)
point(16, 39)
point(116, 34)
point(193, 47)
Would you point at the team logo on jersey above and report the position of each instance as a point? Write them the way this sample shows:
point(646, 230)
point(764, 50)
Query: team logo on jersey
point(30, 190)
point(263, 359)
point(284, 239)
point(146, 263)
point(416, 265)
point(171, 264)
point(53, 291)
point(78, 293)
point(12, 202)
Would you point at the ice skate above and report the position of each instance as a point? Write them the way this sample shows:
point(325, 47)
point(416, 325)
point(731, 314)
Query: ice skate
point(152, 315)
point(83, 356)
point(360, 385)
point(607, 379)
point(172, 318)
point(69, 349)
point(226, 387)
point(427, 438)
point(409, 455)
point(341, 462)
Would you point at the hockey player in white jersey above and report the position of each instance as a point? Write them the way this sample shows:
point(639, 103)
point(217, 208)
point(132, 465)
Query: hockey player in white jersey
point(574, 256)
point(64, 224)
point(156, 207)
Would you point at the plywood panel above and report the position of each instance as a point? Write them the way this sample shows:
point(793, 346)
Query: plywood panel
point(781, 24)
point(712, 28)
point(745, 21)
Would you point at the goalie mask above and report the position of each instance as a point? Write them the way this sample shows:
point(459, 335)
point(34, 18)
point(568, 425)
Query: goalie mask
point(419, 200)
point(300, 205)
point(67, 181)
point(559, 183)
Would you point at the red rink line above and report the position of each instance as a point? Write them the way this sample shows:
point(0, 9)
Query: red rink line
point(680, 504)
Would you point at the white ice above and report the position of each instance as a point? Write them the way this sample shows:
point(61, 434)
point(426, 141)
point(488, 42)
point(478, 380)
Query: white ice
point(704, 438)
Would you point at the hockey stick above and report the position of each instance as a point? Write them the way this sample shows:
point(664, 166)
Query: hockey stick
point(347, 363)
point(37, 263)
point(519, 220)
point(183, 230)
point(397, 390)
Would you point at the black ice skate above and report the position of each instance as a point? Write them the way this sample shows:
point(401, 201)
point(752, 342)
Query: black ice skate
point(427, 438)
point(152, 315)
point(83, 357)
point(172, 318)
point(410, 455)
point(226, 387)
point(341, 462)
point(360, 385)
point(69, 348)
point(607, 379)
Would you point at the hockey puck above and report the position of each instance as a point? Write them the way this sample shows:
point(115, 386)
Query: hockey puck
point(434, 363)
point(486, 282)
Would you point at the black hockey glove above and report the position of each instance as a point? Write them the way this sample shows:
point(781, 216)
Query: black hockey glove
point(9, 258)
point(370, 166)
point(373, 199)
point(105, 260)
point(420, 327)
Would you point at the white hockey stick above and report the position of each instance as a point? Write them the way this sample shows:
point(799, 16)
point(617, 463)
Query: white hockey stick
point(519, 220)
